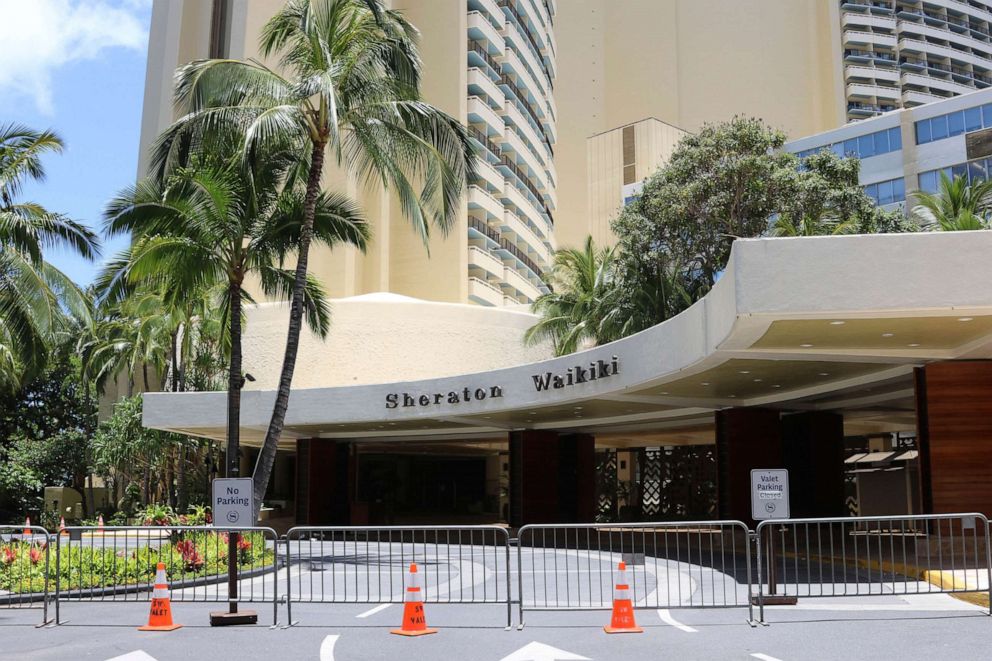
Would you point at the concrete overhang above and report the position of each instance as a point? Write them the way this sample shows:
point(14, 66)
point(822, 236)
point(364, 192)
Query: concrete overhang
point(835, 323)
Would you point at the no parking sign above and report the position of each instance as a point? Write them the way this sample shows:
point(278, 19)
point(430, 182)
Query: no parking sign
point(233, 504)
point(769, 494)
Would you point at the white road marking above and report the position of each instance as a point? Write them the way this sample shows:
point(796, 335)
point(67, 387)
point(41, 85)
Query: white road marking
point(667, 618)
point(138, 655)
point(327, 648)
point(765, 657)
point(536, 651)
point(373, 611)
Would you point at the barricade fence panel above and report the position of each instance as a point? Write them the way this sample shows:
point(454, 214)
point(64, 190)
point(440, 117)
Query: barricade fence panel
point(692, 564)
point(117, 563)
point(866, 556)
point(24, 568)
point(457, 564)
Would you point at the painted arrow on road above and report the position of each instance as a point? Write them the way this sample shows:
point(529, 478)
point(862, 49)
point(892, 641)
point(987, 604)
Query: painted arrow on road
point(137, 655)
point(536, 651)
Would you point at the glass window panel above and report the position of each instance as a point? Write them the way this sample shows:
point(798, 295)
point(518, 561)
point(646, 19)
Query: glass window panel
point(882, 142)
point(872, 191)
point(959, 170)
point(895, 138)
point(850, 146)
point(987, 115)
point(838, 148)
point(885, 192)
point(898, 190)
point(866, 146)
point(955, 123)
point(923, 132)
point(928, 181)
point(972, 119)
point(976, 171)
point(938, 127)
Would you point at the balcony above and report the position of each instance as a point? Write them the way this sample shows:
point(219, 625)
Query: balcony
point(516, 231)
point(531, 166)
point(481, 29)
point(486, 261)
point(481, 85)
point(480, 58)
point(535, 140)
point(853, 20)
point(535, 68)
point(480, 112)
point(481, 200)
point(525, 81)
point(488, 7)
point(513, 279)
point(854, 71)
point(941, 34)
point(922, 80)
point(478, 229)
point(490, 175)
point(912, 97)
point(857, 38)
point(480, 291)
point(511, 252)
point(524, 206)
point(869, 91)
point(917, 46)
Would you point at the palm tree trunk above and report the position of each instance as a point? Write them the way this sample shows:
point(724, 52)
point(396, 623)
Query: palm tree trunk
point(267, 454)
point(144, 376)
point(234, 383)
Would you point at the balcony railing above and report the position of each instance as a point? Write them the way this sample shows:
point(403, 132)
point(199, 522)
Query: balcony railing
point(855, 52)
point(485, 141)
point(484, 228)
point(519, 254)
point(519, 95)
point(477, 48)
point(508, 4)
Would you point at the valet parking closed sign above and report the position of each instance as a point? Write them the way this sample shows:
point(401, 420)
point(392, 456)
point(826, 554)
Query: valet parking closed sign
point(233, 504)
point(769, 494)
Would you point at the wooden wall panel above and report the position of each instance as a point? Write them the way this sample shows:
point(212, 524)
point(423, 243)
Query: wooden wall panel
point(954, 415)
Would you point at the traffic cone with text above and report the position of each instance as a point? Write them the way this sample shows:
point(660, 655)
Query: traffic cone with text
point(414, 617)
point(622, 620)
point(160, 617)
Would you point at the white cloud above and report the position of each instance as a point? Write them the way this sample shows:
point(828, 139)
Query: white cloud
point(40, 36)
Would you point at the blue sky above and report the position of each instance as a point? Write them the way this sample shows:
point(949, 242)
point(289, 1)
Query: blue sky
point(78, 67)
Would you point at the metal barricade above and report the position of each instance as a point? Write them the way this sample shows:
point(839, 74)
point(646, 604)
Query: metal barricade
point(875, 555)
point(691, 564)
point(117, 563)
point(458, 564)
point(24, 568)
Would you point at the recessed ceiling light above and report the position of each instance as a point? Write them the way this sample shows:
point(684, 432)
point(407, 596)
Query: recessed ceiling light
point(731, 396)
point(775, 385)
point(914, 344)
point(806, 346)
point(824, 373)
point(887, 334)
point(966, 318)
point(744, 372)
point(577, 408)
point(705, 383)
point(664, 392)
point(837, 323)
point(757, 380)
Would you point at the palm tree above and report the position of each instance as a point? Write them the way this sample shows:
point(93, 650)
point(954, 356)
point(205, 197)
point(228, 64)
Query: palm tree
point(811, 225)
point(34, 295)
point(956, 206)
point(347, 85)
point(209, 227)
point(581, 297)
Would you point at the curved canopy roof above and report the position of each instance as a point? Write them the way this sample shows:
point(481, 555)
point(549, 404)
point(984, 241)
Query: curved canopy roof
point(795, 323)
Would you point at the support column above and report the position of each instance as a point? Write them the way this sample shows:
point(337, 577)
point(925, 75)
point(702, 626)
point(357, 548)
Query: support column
point(534, 469)
point(813, 445)
point(745, 439)
point(954, 430)
point(577, 478)
point(324, 481)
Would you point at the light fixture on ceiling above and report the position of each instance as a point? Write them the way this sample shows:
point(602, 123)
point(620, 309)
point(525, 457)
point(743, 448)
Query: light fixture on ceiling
point(806, 346)
point(775, 385)
point(824, 373)
point(888, 334)
point(704, 383)
point(837, 323)
point(966, 318)
point(744, 372)
point(913, 344)
point(757, 380)
point(664, 392)
point(732, 396)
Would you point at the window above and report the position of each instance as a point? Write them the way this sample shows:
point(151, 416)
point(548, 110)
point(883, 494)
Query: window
point(955, 124)
point(987, 114)
point(952, 124)
point(923, 132)
point(851, 147)
point(866, 146)
point(928, 181)
point(887, 192)
point(881, 142)
point(898, 190)
point(938, 127)
point(972, 119)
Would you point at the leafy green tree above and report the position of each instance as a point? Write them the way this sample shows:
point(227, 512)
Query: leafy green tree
point(34, 295)
point(822, 195)
point(347, 85)
point(956, 206)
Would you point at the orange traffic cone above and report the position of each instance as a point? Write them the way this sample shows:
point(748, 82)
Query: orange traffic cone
point(62, 530)
point(99, 524)
point(623, 610)
point(414, 618)
point(27, 526)
point(160, 617)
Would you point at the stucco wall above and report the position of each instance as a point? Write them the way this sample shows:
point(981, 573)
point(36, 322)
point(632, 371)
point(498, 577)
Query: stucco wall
point(380, 338)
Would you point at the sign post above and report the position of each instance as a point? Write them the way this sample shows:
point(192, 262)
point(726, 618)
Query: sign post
point(233, 507)
point(770, 500)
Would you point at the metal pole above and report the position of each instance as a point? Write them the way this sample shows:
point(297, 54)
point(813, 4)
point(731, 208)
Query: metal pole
point(772, 578)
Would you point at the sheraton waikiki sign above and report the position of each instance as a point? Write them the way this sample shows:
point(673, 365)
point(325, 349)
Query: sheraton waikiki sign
point(543, 382)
